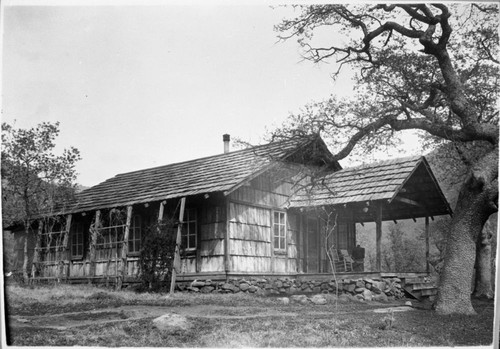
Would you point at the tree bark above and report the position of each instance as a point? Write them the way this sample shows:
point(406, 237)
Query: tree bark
point(483, 287)
point(476, 202)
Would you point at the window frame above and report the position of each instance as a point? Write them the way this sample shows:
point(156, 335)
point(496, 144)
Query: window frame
point(74, 240)
point(109, 242)
point(51, 241)
point(190, 216)
point(282, 231)
point(135, 235)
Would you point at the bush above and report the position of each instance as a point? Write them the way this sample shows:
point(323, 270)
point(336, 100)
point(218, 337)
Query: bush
point(157, 256)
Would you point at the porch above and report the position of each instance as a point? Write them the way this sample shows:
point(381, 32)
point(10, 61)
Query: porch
point(388, 191)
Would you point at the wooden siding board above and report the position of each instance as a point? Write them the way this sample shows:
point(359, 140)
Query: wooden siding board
point(248, 214)
point(280, 264)
point(292, 251)
point(213, 247)
point(212, 231)
point(212, 264)
point(249, 248)
point(250, 264)
point(259, 197)
point(250, 232)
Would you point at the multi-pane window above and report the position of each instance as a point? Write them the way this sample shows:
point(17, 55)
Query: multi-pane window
point(189, 229)
point(77, 241)
point(279, 228)
point(51, 241)
point(134, 237)
point(109, 242)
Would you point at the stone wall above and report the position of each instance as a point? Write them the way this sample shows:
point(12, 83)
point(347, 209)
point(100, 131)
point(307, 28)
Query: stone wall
point(381, 289)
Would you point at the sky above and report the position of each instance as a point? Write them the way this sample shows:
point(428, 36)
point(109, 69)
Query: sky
point(138, 86)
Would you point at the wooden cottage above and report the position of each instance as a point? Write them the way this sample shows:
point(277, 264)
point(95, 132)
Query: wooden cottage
point(261, 211)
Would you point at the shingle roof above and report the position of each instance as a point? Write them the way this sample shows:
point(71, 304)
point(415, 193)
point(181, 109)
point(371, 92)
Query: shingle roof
point(377, 181)
point(205, 175)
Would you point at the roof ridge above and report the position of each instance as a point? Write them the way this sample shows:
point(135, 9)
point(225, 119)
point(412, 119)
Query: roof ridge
point(383, 162)
point(235, 152)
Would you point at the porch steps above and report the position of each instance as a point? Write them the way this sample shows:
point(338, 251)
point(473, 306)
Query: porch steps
point(420, 289)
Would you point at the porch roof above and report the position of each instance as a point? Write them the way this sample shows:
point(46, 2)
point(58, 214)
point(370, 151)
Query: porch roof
point(406, 187)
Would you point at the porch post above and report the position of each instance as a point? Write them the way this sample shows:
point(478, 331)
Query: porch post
point(177, 256)
point(320, 250)
point(160, 211)
point(306, 243)
point(273, 261)
point(427, 265)
point(300, 243)
point(378, 223)
point(123, 269)
point(65, 248)
point(93, 241)
point(38, 245)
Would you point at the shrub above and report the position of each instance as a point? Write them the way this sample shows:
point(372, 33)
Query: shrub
point(157, 256)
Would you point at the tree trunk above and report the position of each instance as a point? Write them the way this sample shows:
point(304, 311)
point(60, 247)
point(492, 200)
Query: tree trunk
point(483, 288)
point(476, 202)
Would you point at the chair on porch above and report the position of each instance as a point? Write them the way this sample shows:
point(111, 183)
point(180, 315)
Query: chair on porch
point(348, 261)
point(341, 265)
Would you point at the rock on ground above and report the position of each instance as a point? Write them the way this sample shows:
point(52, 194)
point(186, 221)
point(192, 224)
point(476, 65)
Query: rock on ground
point(169, 322)
point(318, 299)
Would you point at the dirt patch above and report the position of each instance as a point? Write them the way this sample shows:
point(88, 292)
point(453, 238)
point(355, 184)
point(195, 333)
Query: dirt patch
point(393, 309)
point(126, 313)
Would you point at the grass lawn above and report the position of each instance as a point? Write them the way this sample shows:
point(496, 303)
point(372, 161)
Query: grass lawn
point(65, 315)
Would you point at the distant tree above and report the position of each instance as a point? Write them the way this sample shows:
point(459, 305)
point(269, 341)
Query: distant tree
point(34, 181)
point(402, 254)
point(432, 68)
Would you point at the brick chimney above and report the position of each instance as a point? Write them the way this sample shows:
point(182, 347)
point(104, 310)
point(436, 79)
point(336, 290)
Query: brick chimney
point(226, 139)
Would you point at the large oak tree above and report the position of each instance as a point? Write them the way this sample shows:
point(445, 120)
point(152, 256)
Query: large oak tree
point(432, 68)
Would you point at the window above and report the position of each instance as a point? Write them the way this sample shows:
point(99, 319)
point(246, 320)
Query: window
point(279, 228)
point(189, 230)
point(77, 241)
point(110, 231)
point(134, 235)
point(51, 241)
point(109, 240)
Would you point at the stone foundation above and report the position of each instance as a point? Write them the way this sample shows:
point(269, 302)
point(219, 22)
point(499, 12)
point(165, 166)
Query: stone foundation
point(380, 289)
